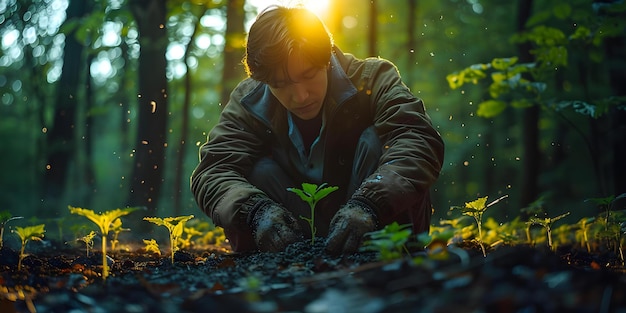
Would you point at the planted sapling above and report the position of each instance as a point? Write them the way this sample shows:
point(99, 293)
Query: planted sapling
point(5, 217)
point(104, 221)
point(476, 209)
point(547, 224)
point(28, 233)
point(311, 194)
point(174, 225)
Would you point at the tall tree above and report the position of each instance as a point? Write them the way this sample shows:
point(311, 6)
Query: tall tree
point(411, 40)
point(60, 140)
point(233, 47)
point(150, 144)
point(530, 138)
point(372, 34)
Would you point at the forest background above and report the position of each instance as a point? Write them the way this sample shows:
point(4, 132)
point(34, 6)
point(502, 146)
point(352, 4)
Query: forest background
point(104, 104)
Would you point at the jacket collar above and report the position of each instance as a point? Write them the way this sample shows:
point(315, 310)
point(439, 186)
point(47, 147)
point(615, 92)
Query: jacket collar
point(262, 103)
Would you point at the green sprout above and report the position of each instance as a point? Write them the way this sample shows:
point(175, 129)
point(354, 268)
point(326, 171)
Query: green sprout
point(174, 225)
point(28, 233)
point(151, 246)
point(311, 194)
point(88, 240)
point(389, 242)
point(5, 217)
point(547, 224)
point(104, 221)
point(584, 225)
point(607, 204)
point(116, 228)
point(476, 209)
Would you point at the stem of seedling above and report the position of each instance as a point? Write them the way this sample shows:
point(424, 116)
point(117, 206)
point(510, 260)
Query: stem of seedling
point(311, 194)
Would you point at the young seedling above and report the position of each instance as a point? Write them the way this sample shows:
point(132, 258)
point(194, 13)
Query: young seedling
point(28, 233)
point(389, 242)
point(311, 194)
point(547, 224)
point(174, 225)
point(104, 221)
point(5, 217)
point(151, 246)
point(476, 209)
point(116, 228)
point(88, 240)
point(607, 204)
point(584, 225)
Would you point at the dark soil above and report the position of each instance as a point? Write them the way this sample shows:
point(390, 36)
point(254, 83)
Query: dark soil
point(304, 279)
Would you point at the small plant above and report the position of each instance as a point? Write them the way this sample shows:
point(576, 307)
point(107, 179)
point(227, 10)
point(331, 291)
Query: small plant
point(28, 233)
point(5, 217)
point(174, 225)
point(311, 194)
point(547, 224)
point(606, 204)
point(104, 221)
point(88, 240)
point(389, 242)
point(584, 225)
point(116, 228)
point(151, 246)
point(476, 209)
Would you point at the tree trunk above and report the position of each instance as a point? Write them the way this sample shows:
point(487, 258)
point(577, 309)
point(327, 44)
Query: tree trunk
point(411, 41)
point(616, 50)
point(60, 138)
point(150, 144)
point(373, 30)
point(233, 71)
point(530, 134)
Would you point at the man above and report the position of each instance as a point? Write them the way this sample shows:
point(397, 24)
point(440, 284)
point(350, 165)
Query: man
point(310, 113)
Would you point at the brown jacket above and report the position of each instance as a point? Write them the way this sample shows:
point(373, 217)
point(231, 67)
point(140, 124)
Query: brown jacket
point(361, 93)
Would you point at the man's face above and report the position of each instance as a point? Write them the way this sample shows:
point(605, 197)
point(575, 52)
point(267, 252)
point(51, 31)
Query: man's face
point(303, 92)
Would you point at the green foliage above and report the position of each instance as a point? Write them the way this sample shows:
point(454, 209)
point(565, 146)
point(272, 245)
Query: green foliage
point(5, 217)
point(476, 209)
point(28, 233)
point(546, 223)
point(389, 242)
point(311, 194)
point(151, 246)
point(175, 227)
point(88, 241)
point(104, 221)
point(116, 228)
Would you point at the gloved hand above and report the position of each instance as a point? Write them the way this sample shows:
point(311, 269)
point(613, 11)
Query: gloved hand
point(274, 228)
point(348, 226)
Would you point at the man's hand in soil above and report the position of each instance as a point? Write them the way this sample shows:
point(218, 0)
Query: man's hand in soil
point(274, 228)
point(347, 228)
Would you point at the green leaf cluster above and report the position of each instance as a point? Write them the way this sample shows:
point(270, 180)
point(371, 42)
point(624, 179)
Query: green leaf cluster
point(175, 227)
point(311, 194)
point(390, 241)
point(28, 233)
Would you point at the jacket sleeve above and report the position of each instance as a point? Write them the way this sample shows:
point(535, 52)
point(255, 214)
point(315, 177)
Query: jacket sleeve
point(413, 150)
point(218, 182)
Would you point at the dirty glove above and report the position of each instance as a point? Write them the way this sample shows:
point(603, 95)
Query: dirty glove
point(273, 227)
point(348, 226)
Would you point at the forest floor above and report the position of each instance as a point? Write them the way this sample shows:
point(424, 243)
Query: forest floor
point(304, 279)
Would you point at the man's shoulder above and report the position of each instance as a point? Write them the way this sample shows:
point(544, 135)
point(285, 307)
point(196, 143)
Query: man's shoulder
point(360, 68)
point(244, 88)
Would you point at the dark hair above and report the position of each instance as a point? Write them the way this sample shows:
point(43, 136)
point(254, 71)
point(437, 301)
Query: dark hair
point(280, 31)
